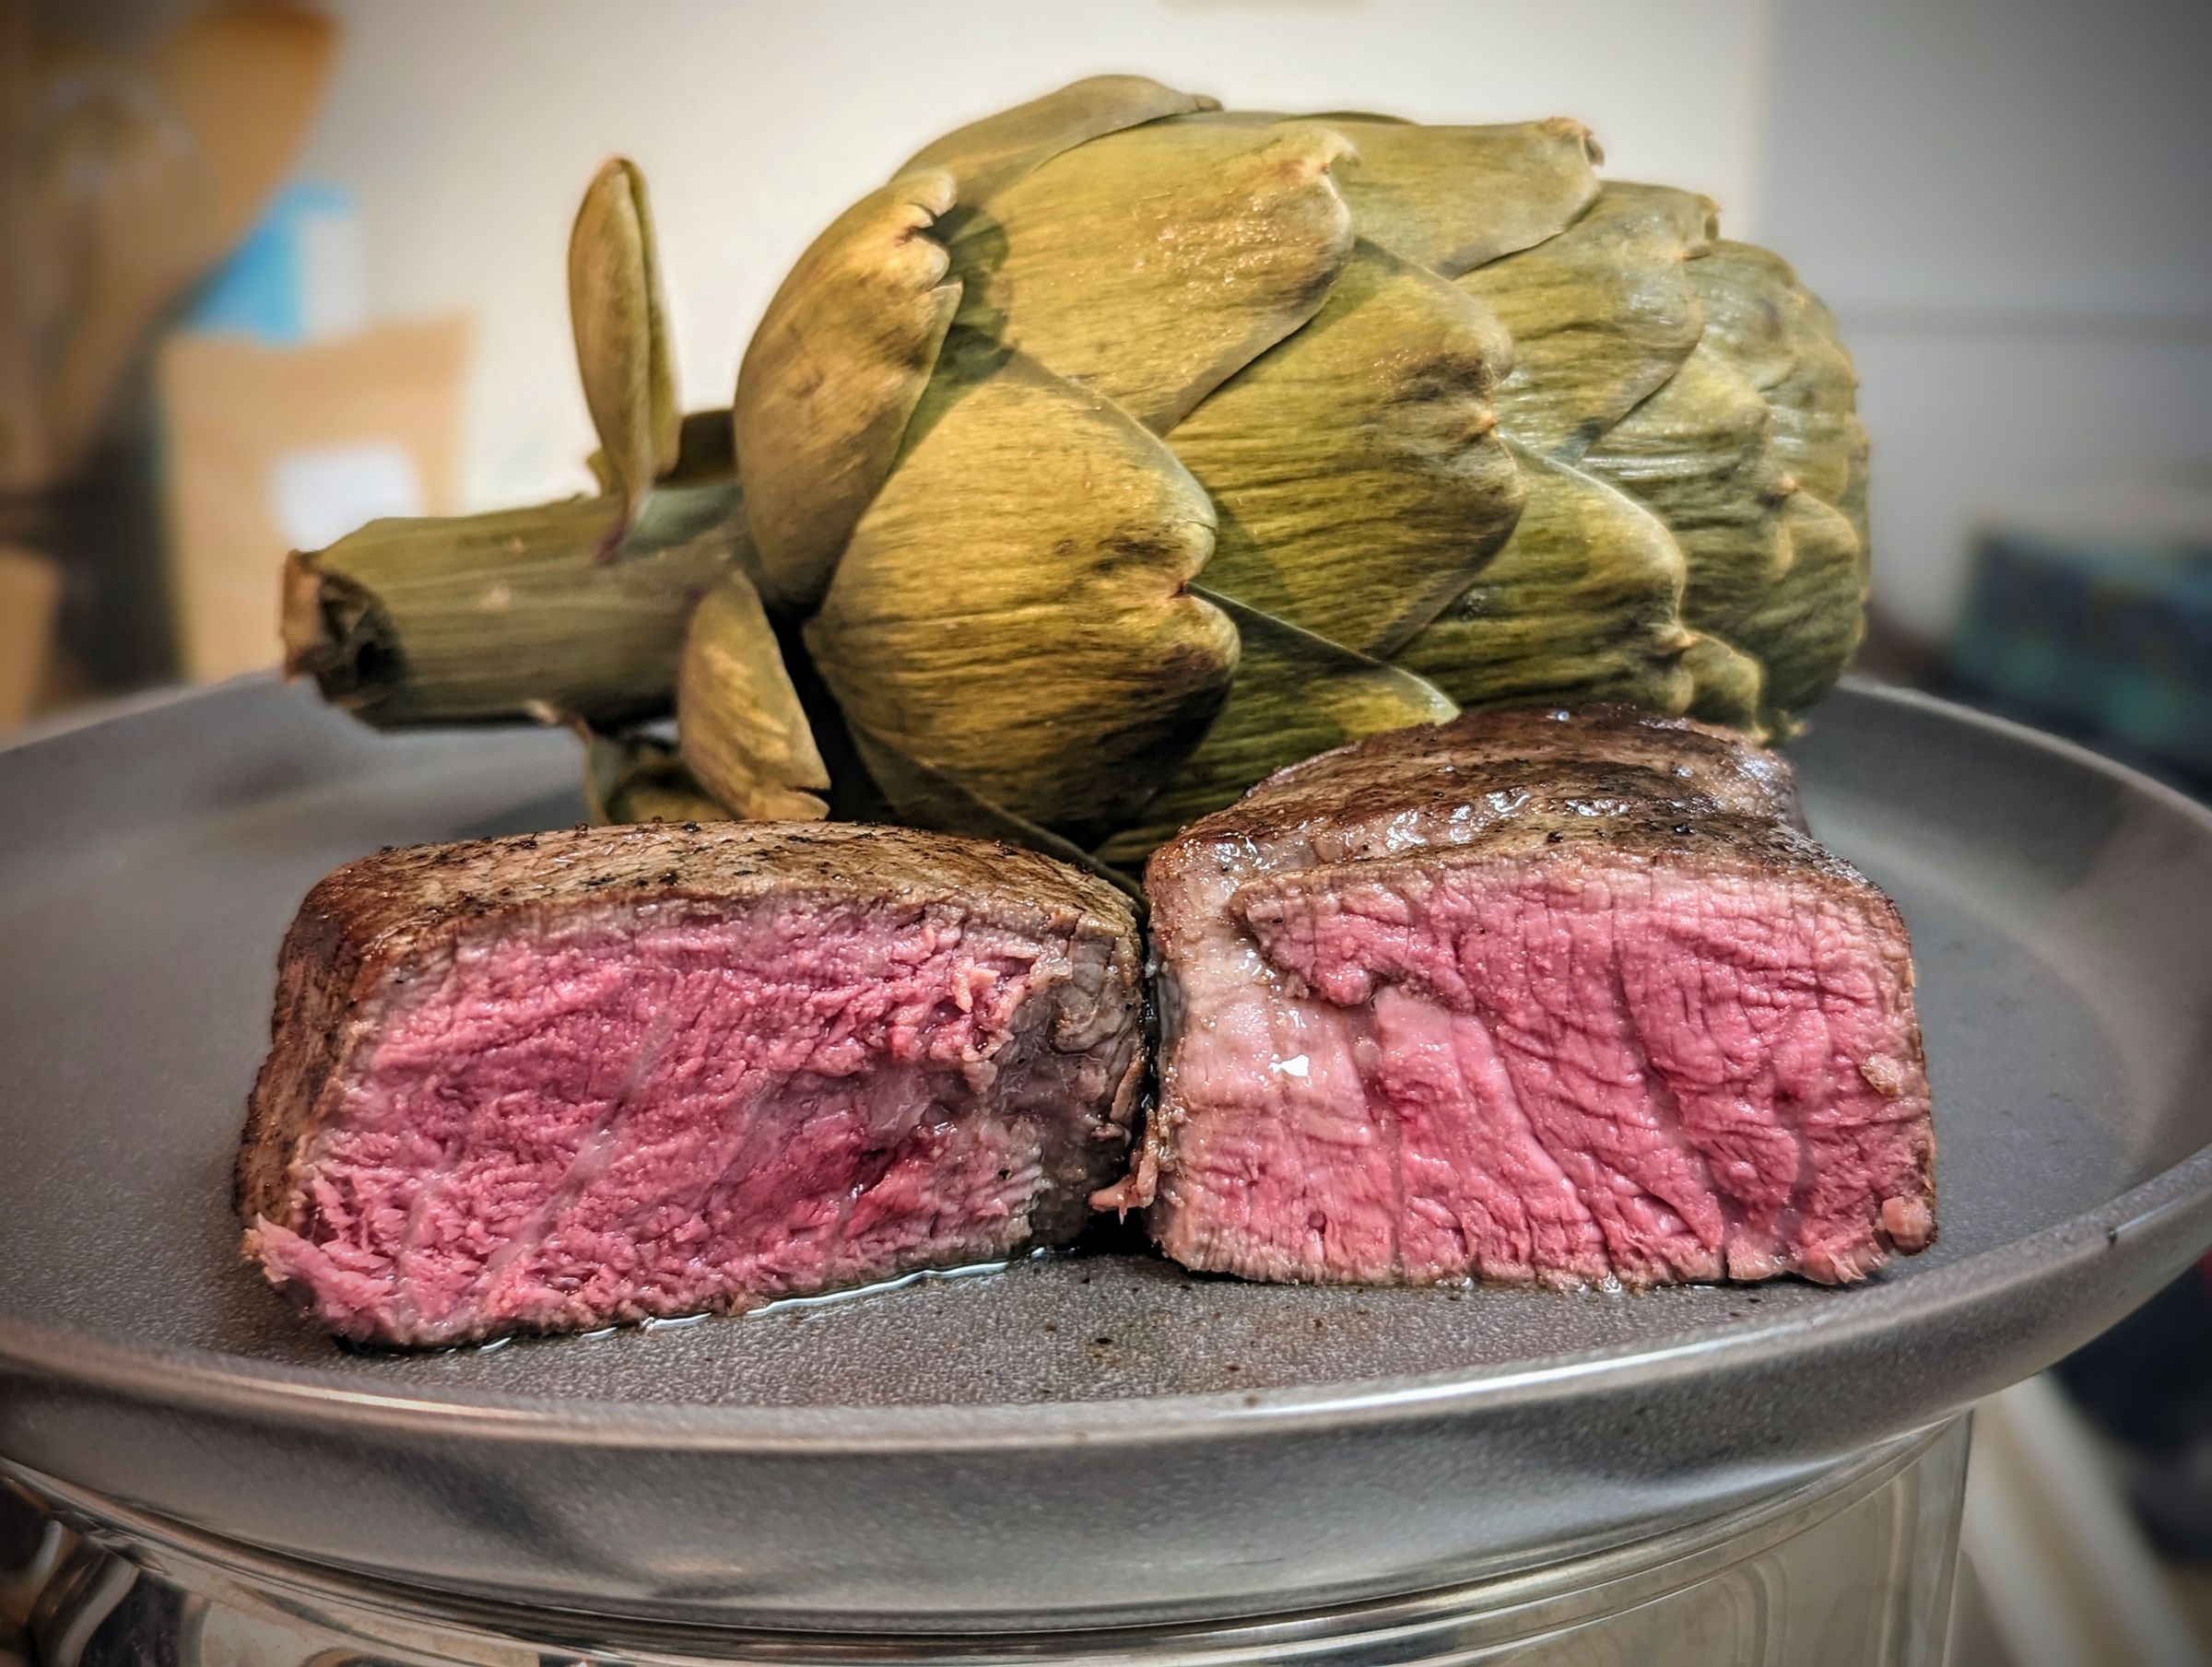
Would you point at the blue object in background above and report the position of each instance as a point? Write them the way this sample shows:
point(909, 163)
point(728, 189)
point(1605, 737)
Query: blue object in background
point(297, 276)
point(2111, 639)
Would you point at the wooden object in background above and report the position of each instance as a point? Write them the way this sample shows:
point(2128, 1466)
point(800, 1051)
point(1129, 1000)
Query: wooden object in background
point(274, 448)
point(22, 417)
point(31, 598)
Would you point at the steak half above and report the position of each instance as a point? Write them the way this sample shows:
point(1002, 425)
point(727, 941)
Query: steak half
point(1531, 996)
point(553, 1082)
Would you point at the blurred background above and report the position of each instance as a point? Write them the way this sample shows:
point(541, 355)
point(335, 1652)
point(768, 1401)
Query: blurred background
point(269, 271)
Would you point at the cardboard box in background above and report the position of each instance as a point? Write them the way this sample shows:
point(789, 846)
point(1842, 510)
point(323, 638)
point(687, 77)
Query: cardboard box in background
point(272, 448)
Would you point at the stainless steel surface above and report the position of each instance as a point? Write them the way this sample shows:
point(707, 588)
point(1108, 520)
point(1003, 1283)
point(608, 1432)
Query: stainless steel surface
point(1086, 1441)
point(1854, 1568)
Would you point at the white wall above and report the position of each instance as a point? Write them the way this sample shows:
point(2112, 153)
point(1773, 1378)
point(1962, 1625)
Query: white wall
point(467, 129)
point(2007, 202)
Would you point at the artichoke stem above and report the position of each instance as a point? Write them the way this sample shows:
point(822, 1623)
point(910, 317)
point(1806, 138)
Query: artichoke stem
point(505, 617)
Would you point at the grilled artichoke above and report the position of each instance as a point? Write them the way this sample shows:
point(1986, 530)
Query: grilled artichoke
point(1122, 449)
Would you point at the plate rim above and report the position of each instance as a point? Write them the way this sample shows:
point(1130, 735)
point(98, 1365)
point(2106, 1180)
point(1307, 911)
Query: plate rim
point(212, 1381)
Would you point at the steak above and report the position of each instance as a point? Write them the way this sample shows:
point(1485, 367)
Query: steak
point(554, 1082)
point(1530, 996)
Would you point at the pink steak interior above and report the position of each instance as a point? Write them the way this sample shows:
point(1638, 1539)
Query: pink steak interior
point(1549, 1071)
point(571, 1122)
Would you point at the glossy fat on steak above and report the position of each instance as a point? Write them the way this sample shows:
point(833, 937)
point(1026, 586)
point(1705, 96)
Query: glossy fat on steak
point(558, 1081)
point(1531, 996)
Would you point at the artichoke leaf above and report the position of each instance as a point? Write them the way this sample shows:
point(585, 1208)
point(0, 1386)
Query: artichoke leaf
point(1748, 301)
point(986, 157)
point(1154, 264)
point(1818, 437)
point(1820, 328)
point(705, 451)
point(1774, 332)
point(1011, 610)
point(1357, 469)
point(1805, 628)
point(1453, 198)
point(1852, 502)
point(1701, 454)
point(502, 616)
point(1601, 315)
point(925, 797)
point(1822, 316)
point(1583, 603)
point(619, 317)
point(737, 716)
point(640, 778)
point(1295, 695)
point(1729, 684)
point(833, 374)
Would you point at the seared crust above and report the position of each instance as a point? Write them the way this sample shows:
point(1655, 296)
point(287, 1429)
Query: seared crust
point(383, 912)
point(1447, 783)
point(1543, 774)
point(1685, 829)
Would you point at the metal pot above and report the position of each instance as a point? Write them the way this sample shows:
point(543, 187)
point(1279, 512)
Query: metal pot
point(1854, 1566)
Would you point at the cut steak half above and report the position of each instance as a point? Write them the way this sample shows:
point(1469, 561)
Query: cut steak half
point(553, 1082)
point(1531, 996)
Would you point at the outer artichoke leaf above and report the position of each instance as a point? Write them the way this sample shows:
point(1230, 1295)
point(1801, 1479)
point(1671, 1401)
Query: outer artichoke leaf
point(1823, 318)
point(1820, 325)
point(639, 777)
point(1153, 264)
point(986, 157)
point(737, 716)
point(1700, 453)
point(503, 616)
point(619, 317)
point(706, 447)
point(1357, 468)
point(1601, 315)
point(705, 451)
point(1583, 603)
point(1776, 333)
point(1749, 295)
point(925, 797)
point(1806, 626)
point(1853, 501)
point(1819, 333)
point(832, 375)
point(1816, 431)
point(1011, 610)
point(1452, 198)
point(1729, 685)
point(1295, 695)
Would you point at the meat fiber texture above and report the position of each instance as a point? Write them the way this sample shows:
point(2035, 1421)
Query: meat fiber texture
point(1550, 997)
point(554, 1082)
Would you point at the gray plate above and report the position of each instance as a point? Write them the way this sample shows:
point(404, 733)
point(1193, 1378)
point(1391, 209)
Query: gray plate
point(1097, 1438)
